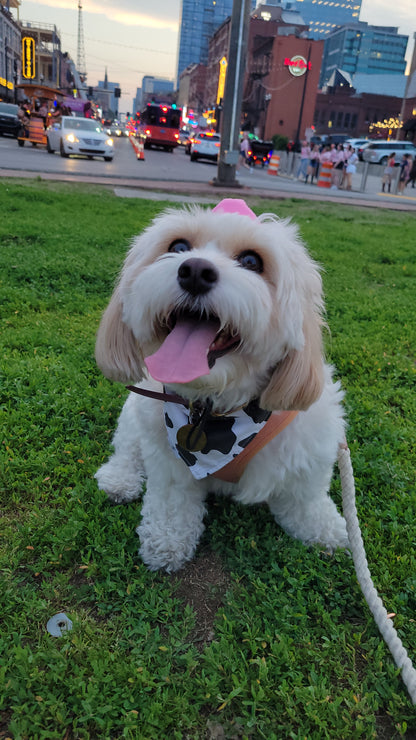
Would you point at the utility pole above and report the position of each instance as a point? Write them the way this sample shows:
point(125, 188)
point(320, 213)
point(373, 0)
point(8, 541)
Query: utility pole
point(297, 141)
point(81, 65)
point(233, 95)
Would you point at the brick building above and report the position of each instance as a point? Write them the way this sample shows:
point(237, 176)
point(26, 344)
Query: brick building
point(280, 60)
point(192, 86)
point(282, 86)
point(341, 109)
point(217, 50)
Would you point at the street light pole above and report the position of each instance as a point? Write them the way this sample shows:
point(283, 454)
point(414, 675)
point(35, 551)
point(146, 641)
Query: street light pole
point(233, 95)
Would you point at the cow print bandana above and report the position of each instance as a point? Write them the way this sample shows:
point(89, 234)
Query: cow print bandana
point(208, 445)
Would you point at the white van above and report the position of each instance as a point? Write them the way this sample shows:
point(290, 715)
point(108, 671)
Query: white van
point(378, 152)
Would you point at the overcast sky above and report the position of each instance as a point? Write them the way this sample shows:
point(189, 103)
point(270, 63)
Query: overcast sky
point(133, 38)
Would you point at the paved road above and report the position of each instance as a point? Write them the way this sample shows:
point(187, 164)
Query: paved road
point(175, 173)
point(158, 164)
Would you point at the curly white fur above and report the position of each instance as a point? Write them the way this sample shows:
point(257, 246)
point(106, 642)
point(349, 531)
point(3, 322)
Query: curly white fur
point(277, 316)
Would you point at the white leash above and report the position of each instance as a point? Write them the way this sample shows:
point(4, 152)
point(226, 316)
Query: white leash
point(383, 622)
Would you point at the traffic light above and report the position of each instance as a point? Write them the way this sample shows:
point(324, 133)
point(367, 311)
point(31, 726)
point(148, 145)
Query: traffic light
point(117, 92)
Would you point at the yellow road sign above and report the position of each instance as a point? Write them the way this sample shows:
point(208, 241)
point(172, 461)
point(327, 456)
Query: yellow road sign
point(221, 79)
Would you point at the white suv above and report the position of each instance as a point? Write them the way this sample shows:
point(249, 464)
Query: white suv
point(205, 145)
point(378, 152)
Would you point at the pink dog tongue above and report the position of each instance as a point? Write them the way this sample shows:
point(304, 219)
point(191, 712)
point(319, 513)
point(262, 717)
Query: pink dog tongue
point(183, 355)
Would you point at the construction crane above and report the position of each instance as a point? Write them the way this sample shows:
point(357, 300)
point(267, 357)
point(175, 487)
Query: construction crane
point(81, 65)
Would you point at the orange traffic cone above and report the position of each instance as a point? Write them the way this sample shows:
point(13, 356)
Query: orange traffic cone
point(138, 147)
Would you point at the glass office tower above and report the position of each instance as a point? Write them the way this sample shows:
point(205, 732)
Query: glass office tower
point(199, 20)
point(322, 16)
point(361, 48)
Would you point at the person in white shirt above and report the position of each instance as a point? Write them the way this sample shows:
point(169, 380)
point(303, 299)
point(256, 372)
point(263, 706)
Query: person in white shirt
point(350, 168)
point(338, 159)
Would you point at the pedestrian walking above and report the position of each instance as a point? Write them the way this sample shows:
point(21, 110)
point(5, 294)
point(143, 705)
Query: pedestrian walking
point(305, 154)
point(412, 174)
point(405, 167)
point(244, 149)
point(388, 173)
point(313, 166)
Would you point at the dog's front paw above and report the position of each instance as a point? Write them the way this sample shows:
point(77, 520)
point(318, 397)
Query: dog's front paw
point(333, 536)
point(166, 550)
point(314, 521)
point(120, 483)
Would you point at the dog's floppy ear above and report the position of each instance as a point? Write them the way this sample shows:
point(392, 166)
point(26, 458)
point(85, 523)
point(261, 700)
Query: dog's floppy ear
point(298, 379)
point(117, 351)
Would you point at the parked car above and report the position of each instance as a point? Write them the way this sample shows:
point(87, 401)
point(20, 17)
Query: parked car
point(205, 145)
point(326, 139)
point(359, 145)
point(357, 142)
point(9, 121)
point(73, 135)
point(378, 152)
point(317, 140)
point(336, 139)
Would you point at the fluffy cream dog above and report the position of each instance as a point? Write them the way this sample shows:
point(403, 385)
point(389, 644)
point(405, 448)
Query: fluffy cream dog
point(223, 309)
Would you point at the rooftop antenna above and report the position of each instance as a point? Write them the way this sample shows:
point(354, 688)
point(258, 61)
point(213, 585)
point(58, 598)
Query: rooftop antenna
point(81, 65)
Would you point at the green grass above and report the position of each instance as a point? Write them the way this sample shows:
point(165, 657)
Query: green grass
point(294, 652)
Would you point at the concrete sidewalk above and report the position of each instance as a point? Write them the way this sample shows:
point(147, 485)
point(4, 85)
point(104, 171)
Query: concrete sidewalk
point(256, 184)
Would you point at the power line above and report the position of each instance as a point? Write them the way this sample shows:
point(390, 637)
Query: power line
point(125, 46)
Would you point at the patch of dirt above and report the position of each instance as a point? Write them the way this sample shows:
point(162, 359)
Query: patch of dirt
point(5, 719)
point(387, 731)
point(202, 584)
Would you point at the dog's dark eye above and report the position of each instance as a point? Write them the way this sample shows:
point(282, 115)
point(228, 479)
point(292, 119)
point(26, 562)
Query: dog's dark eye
point(180, 245)
point(250, 261)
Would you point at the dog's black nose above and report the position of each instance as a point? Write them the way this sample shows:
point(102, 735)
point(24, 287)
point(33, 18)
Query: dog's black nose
point(197, 276)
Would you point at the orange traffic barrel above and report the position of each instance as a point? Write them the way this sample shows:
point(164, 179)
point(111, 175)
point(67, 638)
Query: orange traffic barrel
point(324, 180)
point(138, 146)
point(274, 164)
